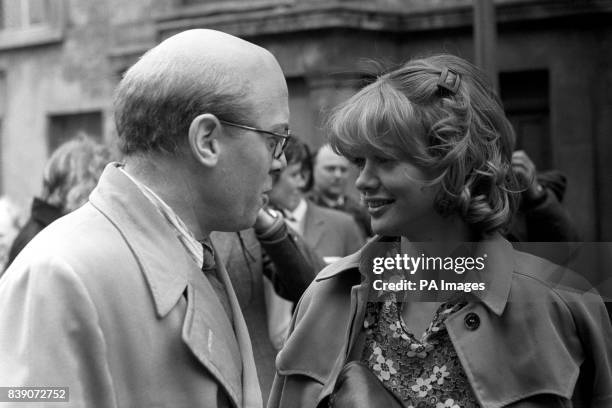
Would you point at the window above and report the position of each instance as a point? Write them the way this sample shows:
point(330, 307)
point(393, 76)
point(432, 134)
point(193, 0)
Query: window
point(30, 22)
point(39, 12)
point(65, 127)
point(20, 14)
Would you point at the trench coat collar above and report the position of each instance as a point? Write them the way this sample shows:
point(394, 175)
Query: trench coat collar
point(145, 231)
point(497, 273)
point(168, 275)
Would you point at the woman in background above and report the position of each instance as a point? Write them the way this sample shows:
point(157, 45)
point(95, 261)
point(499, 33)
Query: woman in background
point(70, 174)
point(10, 222)
point(434, 149)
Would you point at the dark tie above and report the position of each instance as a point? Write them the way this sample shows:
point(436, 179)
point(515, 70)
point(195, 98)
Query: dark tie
point(209, 267)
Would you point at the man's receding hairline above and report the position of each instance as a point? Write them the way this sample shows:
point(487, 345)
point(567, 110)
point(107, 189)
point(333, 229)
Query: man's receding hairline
point(208, 71)
point(315, 157)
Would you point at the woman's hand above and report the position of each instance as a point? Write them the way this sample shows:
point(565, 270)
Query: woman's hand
point(526, 172)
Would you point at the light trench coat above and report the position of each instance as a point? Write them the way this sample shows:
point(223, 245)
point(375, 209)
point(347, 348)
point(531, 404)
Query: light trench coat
point(537, 338)
point(107, 302)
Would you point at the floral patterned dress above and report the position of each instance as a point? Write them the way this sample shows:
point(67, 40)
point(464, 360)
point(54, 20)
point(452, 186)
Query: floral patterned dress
point(423, 373)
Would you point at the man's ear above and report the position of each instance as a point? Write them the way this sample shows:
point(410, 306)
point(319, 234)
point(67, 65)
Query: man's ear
point(203, 134)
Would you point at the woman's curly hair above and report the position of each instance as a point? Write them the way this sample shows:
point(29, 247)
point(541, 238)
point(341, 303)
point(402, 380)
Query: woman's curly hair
point(462, 135)
point(72, 172)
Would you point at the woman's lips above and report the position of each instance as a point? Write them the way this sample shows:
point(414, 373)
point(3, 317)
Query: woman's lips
point(377, 206)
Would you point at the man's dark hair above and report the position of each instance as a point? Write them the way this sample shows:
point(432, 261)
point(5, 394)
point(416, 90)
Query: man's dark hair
point(299, 152)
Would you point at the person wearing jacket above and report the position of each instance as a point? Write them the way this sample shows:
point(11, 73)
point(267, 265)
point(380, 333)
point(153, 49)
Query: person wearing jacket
point(541, 216)
point(268, 255)
point(434, 150)
point(330, 233)
point(122, 301)
point(70, 174)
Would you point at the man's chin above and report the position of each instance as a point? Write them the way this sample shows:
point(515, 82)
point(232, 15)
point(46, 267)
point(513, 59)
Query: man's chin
point(243, 222)
point(334, 194)
point(249, 220)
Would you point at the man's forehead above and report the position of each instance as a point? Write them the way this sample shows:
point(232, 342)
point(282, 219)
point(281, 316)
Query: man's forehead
point(327, 157)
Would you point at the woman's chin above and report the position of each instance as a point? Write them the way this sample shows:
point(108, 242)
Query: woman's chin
point(383, 228)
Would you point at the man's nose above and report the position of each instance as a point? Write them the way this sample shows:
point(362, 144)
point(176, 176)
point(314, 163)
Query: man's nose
point(301, 181)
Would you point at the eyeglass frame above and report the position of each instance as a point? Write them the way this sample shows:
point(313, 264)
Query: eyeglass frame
point(284, 138)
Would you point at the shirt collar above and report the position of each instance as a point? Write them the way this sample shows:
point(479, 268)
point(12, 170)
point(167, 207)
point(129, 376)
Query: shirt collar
point(297, 216)
point(300, 211)
point(497, 273)
point(163, 259)
point(338, 202)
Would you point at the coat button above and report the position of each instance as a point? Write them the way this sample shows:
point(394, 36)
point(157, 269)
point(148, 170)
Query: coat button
point(472, 321)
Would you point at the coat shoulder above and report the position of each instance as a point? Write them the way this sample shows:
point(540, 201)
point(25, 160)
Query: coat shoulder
point(332, 215)
point(82, 242)
point(535, 276)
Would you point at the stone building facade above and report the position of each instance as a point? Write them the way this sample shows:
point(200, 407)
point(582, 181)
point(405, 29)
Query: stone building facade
point(60, 60)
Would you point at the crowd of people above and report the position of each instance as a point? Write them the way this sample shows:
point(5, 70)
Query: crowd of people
point(216, 260)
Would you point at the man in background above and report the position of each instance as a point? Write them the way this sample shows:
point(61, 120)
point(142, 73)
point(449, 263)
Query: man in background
point(330, 233)
point(331, 173)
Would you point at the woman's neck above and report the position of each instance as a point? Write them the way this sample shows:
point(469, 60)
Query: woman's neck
point(442, 237)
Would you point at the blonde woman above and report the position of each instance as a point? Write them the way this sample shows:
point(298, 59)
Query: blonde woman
point(434, 149)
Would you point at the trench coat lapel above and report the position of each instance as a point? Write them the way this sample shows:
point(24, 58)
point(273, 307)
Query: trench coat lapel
point(210, 337)
point(251, 391)
point(170, 273)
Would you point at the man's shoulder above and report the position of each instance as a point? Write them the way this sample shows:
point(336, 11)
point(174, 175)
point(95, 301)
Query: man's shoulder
point(83, 240)
point(84, 224)
point(315, 197)
point(335, 216)
point(352, 204)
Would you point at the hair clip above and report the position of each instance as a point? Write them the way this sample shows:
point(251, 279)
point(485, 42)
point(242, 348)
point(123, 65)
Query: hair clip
point(443, 82)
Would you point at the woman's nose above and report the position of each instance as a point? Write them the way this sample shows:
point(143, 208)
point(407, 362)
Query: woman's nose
point(279, 164)
point(367, 179)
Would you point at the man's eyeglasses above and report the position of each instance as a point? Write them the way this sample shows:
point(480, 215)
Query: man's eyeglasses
point(280, 140)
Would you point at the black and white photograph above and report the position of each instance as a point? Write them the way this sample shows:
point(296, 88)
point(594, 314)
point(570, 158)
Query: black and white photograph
point(306, 203)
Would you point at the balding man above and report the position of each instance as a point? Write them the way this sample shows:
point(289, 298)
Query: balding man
point(331, 173)
point(122, 301)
